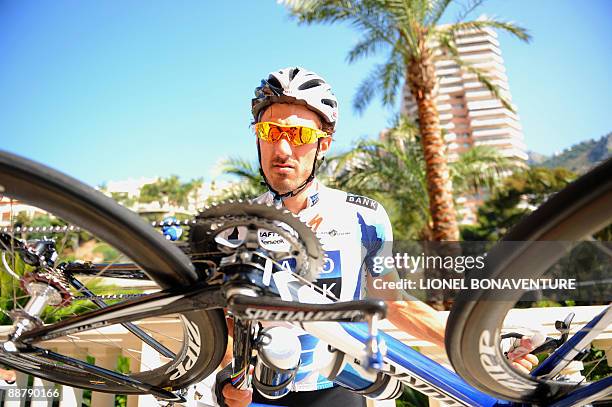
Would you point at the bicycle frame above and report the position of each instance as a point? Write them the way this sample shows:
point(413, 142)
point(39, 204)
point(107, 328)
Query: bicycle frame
point(411, 367)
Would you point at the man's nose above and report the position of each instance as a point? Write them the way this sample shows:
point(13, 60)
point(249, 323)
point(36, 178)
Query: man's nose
point(283, 146)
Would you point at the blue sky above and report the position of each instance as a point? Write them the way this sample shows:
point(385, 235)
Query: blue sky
point(106, 90)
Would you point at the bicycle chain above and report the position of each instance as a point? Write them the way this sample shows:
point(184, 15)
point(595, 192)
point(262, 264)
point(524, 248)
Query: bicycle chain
point(41, 229)
point(223, 215)
point(72, 228)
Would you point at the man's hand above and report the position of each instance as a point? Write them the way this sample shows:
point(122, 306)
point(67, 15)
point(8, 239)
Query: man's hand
point(235, 397)
point(524, 364)
point(519, 353)
point(8, 376)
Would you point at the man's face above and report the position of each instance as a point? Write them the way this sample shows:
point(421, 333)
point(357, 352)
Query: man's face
point(287, 166)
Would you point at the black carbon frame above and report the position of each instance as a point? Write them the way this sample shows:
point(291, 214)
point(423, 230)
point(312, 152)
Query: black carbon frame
point(171, 301)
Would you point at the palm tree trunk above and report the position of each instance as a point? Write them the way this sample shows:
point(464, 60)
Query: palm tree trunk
point(421, 79)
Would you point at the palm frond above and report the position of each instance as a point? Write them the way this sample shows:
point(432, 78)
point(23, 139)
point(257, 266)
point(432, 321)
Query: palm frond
point(321, 11)
point(236, 191)
point(477, 25)
point(467, 9)
point(240, 167)
point(367, 46)
point(392, 75)
point(479, 167)
point(366, 90)
point(375, 22)
point(384, 79)
point(436, 11)
point(402, 11)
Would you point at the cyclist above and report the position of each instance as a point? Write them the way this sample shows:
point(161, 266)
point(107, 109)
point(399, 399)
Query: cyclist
point(294, 116)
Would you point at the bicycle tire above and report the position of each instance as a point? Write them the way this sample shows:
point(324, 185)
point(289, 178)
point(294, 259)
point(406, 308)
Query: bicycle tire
point(584, 207)
point(163, 263)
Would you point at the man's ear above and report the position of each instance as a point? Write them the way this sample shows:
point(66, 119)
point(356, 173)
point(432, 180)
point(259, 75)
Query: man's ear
point(324, 145)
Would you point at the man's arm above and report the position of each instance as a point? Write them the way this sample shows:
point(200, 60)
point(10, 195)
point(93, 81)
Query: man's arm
point(409, 314)
point(420, 320)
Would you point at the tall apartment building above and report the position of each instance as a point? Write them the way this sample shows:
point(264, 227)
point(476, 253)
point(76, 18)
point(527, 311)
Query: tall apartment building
point(469, 113)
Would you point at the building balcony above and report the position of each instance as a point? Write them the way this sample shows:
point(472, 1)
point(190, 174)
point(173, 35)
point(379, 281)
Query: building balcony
point(443, 107)
point(483, 104)
point(446, 63)
point(492, 113)
point(509, 141)
point(491, 75)
point(496, 122)
point(445, 117)
point(488, 47)
point(476, 94)
point(477, 58)
point(494, 142)
point(449, 80)
point(475, 84)
point(454, 70)
point(498, 132)
point(490, 66)
point(484, 37)
point(450, 89)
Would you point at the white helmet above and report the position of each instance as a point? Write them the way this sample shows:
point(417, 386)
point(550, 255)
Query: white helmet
point(299, 86)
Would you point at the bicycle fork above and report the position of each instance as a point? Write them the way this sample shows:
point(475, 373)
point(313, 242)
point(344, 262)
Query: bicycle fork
point(242, 351)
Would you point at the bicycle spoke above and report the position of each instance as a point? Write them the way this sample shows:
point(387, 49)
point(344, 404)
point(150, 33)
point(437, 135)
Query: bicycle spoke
point(160, 334)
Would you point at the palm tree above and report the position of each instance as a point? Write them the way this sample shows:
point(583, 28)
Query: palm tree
point(170, 191)
point(409, 30)
point(393, 171)
point(250, 181)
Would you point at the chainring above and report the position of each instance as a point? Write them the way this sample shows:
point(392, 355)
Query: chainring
point(214, 220)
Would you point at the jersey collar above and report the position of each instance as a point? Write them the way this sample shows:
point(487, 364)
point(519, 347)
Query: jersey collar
point(312, 195)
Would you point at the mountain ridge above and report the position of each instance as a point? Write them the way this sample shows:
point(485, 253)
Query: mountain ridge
point(578, 158)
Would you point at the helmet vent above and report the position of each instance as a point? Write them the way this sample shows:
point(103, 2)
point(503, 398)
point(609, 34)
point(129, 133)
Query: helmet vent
point(310, 84)
point(274, 83)
point(329, 102)
point(293, 72)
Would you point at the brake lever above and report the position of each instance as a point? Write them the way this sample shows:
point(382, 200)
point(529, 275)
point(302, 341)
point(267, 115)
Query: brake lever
point(550, 344)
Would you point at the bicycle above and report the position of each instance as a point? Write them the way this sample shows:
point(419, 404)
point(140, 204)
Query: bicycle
point(196, 279)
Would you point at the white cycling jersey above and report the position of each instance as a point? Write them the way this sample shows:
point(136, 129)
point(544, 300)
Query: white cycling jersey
point(353, 230)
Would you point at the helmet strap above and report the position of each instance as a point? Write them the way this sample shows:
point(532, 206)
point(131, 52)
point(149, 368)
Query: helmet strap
point(277, 195)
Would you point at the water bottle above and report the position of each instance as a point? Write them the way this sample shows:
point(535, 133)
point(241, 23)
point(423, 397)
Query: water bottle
point(278, 359)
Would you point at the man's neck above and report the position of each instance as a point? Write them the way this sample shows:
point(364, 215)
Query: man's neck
point(300, 201)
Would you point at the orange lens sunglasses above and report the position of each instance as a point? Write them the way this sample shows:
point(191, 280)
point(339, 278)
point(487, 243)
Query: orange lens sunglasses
point(297, 135)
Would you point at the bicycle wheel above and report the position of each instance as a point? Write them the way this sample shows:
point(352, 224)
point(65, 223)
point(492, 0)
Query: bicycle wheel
point(189, 345)
point(575, 213)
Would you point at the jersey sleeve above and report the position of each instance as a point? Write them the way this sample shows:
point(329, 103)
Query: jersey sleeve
point(377, 240)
